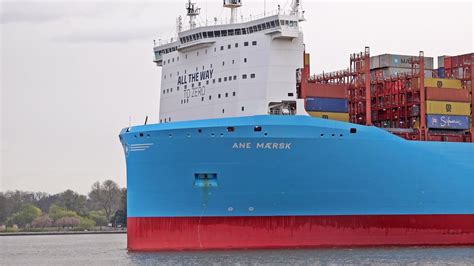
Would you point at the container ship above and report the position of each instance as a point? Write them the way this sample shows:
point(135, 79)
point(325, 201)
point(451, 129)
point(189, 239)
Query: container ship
point(252, 151)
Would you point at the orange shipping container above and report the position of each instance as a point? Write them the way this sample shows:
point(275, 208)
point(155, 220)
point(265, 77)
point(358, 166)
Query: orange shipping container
point(450, 95)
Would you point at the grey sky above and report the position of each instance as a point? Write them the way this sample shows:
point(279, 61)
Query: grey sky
point(72, 73)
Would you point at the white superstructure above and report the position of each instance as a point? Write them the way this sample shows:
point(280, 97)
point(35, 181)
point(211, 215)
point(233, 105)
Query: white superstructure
point(234, 69)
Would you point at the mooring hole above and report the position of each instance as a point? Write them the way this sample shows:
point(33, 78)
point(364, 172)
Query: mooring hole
point(205, 180)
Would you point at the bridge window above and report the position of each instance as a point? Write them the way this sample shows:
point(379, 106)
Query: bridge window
point(210, 34)
point(244, 31)
point(204, 34)
point(217, 33)
point(237, 31)
point(223, 33)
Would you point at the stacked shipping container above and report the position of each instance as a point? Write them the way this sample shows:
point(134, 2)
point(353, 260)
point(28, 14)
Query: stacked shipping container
point(328, 101)
point(398, 102)
point(388, 65)
point(447, 105)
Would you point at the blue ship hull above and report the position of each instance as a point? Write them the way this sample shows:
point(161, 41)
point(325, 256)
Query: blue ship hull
point(292, 167)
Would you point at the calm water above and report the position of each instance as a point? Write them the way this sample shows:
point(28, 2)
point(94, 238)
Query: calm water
point(110, 250)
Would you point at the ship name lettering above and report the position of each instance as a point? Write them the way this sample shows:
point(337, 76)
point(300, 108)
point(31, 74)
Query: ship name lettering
point(263, 145)
point(274, 146)
point(242, 145)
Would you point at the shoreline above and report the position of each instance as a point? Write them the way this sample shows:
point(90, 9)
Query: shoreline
point(61, 233)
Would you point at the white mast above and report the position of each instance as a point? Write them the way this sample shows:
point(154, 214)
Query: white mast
point(295, 6)
point(233, 5)
point(192, 12)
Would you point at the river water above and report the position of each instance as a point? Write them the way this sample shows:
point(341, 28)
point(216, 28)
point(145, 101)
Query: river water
point(111, 250)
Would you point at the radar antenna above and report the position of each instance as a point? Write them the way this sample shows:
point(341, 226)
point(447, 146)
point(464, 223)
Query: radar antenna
point(192, 12)
point(179, 24)
point(233, 5)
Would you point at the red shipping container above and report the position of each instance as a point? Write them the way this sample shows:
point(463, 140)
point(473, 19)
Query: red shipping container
point(449, 95)
point(325, 90)
point(447, 62)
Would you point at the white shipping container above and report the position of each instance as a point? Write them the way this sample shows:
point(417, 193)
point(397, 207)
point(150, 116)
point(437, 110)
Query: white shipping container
point(400, 61)
point(441, 61)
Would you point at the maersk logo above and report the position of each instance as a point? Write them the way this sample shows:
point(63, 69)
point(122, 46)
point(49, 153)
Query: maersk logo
point(262, 145)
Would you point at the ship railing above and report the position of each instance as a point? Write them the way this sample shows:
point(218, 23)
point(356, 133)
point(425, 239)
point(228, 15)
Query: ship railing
point(226, 21)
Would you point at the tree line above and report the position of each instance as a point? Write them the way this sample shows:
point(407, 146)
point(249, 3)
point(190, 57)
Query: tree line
point(105, 204)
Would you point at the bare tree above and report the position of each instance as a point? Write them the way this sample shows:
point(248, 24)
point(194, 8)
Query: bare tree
point(106, 196)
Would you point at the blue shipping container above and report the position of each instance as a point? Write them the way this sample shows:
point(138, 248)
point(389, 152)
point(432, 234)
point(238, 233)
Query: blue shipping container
point(448, 121)
point(441, 72)
point(326, 105)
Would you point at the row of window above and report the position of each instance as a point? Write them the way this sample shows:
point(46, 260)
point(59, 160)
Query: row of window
point(237, 31)
point(231, 32)
point(219, 96)
point(167, 120)
point(229, 46)
point(197, 69)
point(219, 80)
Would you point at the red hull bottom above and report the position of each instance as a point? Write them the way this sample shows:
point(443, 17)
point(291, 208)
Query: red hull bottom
point(194, 233)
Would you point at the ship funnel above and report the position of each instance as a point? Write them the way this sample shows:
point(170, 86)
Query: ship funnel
point(233, 5)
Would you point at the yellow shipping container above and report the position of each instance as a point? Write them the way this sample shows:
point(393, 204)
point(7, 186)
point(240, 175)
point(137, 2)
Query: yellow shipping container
point(333, 116)
point(438, 83)
point(448, 108)
point(443, 83)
